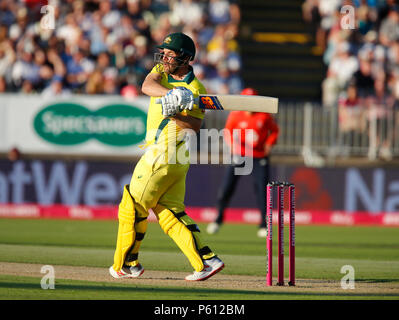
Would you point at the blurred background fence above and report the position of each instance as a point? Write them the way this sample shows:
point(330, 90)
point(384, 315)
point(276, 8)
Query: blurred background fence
point(316, 132)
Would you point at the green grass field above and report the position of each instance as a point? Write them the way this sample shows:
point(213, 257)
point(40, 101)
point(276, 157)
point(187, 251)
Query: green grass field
point(321, 251)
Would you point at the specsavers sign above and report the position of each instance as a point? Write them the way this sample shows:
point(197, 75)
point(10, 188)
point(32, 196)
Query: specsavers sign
point(77, 125)
point(71, 124)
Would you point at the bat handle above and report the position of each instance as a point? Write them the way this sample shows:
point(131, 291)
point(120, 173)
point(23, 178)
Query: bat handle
point(196, 100)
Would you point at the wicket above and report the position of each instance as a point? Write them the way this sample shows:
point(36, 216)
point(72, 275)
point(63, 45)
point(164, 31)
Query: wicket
point(269, 240)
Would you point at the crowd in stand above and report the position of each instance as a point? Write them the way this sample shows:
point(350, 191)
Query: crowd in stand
point(362, 59)
point(107, 47)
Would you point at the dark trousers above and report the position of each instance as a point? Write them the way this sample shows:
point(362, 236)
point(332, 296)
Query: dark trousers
point(260, 176)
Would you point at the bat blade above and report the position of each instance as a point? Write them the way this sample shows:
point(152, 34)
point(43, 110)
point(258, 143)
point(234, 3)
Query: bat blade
point(238, 103)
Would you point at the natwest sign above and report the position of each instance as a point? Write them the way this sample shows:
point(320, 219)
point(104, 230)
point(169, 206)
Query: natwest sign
point(375, 190)
point(96, 183)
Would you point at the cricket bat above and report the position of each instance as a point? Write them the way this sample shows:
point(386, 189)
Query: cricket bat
point(237, 103)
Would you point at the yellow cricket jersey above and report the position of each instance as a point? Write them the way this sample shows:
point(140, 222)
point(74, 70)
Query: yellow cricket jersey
point(155, 120)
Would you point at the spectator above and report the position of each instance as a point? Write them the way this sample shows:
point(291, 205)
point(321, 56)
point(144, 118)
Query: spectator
point(379, 62)
point(335, 38)
point(109, 17)
point(79, 14)
point(70, 31)
point(45, 71)
point(7, 17)
point(379, 115)
point(161, 28)
point(393, 57)
point(103, 62)
point(223, 12)
point(55, 89)
point(98, 34)
point(393, 85)
point(219, 82)
point(95, 83)
point(110, 81)
point(340, 72)
point(200, 72)
point(7, 58)
point(17, 29)
point(219, 46)
point(76, 73)
point(311, 14)
point(368, 45)
point(351, 117)
point(25, 69)
point(363, 78)
point(383, 10)
point(327, 9)
point(374, 44)
point(27, 87)
point(389, 31)
point(366, 18)
point(187, 12)
point(56, 62)
point(124, 30)
point(137, 11)
point(225, 81)
point(159, 6)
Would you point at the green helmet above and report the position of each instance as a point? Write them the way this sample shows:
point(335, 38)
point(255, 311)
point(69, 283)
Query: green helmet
point(180, 43)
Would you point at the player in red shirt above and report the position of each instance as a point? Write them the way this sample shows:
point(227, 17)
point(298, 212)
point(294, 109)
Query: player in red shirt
point(263, 136)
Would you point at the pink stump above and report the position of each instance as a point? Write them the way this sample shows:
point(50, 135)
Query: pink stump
point(269, 239)
point(291, 189)
point(280, 202)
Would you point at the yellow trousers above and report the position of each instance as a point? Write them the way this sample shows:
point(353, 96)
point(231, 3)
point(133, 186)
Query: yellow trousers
point(160, 186)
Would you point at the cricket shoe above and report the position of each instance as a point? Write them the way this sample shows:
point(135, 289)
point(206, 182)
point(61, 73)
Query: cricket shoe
point(211, 267)
point(213, 228)
point(127, 272)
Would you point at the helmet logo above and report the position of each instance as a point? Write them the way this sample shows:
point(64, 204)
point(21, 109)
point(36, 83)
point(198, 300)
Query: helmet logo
point(167, 40)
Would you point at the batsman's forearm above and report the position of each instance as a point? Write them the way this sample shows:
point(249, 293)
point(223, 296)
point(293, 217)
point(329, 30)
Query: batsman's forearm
point(154, 90)
point(151, 87)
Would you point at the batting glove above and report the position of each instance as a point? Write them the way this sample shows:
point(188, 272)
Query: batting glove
point(176, 100)
point(170, 104)
point(185, 97)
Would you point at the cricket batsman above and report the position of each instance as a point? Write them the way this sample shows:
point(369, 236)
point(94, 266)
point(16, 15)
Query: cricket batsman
point(158, 184)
